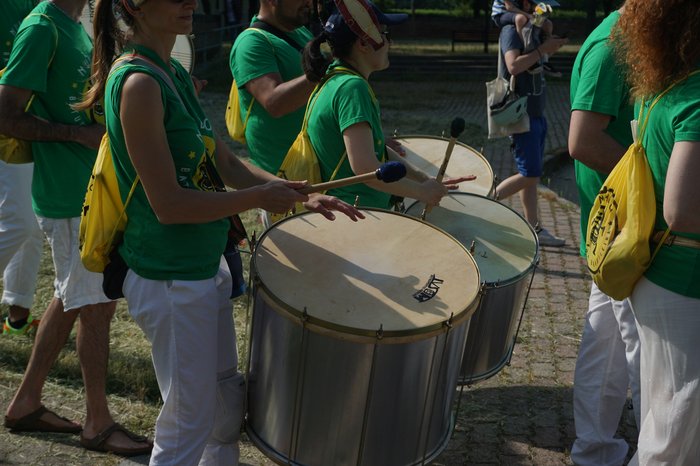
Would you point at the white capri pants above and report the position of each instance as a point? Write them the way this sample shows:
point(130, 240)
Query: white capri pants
point(607, 364)
point(190, 326)
point(21, 241)
point(669, 331)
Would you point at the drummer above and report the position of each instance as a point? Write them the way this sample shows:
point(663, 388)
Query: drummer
point(344, 123)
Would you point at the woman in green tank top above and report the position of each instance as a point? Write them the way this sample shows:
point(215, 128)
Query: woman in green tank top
point(178, 286)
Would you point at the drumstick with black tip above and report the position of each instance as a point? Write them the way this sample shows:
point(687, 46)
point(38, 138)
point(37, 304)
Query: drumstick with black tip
point(387, 172)
point(456, 128)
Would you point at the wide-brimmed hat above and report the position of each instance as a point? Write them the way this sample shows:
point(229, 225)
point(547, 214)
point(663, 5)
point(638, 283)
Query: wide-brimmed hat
point(359, 18)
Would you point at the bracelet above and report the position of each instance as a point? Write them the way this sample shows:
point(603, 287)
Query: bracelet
point(538, 52)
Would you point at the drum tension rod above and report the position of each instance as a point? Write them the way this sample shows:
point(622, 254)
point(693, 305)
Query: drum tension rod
point(472, 247)
point(380, 332)
point(448, 322)
point(304, 315)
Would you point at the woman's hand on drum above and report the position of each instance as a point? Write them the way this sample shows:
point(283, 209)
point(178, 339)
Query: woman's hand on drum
point(280, 196)
point(453, 183)
point(395, 145)
point(431, 191)
point(323, 204)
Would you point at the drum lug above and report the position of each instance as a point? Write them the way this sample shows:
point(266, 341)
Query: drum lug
point(380, 332)
point(482, 289)
point(472, 247)
point(304, 316)
point(448, 322)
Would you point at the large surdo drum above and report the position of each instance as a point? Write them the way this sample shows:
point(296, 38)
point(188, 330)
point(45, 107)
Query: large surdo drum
point(357, 335)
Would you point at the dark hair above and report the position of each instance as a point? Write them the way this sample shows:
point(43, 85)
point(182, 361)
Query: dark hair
point(109, 41)
point(315, 63)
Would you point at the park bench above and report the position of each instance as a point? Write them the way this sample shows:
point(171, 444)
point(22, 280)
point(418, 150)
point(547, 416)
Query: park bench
point(479, 36)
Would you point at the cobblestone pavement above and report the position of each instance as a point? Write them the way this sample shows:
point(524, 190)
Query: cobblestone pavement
point(523, 415)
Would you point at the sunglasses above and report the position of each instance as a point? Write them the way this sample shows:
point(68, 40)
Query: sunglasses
point(386, 34)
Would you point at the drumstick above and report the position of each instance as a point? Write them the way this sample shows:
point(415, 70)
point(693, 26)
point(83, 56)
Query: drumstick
point(387, 172)
point(456, 128)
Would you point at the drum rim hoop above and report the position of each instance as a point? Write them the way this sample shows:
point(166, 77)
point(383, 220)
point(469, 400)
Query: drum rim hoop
point(459, 143)
point(323, 327)
point(533, 263)
point(363, 334)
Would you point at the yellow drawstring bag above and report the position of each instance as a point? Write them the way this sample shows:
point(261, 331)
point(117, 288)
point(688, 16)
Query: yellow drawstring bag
point(13, 150)
point(622, 220)
point(234, 123)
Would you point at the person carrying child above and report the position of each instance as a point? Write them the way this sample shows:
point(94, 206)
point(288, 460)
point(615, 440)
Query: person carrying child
point(504, 12)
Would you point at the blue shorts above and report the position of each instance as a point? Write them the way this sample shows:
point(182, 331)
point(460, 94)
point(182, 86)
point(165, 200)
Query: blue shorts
point(528, 148)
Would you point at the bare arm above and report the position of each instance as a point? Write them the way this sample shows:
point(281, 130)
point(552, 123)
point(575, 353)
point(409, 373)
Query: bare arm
point(278, 97)
point(518, 62)
point(590, 144)
point(142, 112)
point(15, 122)
point(682, 190)
point(359, 143)
point(240, 173)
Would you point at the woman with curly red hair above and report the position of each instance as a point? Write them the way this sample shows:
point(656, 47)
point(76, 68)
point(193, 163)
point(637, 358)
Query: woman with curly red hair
point(659, 41)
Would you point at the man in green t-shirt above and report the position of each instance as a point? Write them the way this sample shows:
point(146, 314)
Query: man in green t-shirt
point(50, 63)
point(266, 65)
point(608, 359)
point(21, 241)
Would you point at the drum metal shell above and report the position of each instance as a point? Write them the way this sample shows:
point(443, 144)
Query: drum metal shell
point(495, 325)
point(324, 394)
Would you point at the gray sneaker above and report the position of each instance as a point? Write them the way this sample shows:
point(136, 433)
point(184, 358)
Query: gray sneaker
point(548, 239)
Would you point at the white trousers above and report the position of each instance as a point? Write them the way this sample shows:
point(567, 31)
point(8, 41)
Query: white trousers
point(190, 327)
point(21, 240)
point(607, 364)
point(669, 330)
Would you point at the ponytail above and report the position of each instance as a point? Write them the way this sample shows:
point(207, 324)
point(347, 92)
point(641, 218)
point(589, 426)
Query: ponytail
point(313, 61)
point(109, 41)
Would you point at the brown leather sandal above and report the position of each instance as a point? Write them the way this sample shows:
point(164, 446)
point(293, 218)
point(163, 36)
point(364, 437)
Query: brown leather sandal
point(99, 442)
point(32, 423)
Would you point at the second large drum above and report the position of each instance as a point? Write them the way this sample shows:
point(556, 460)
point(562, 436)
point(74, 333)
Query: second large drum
point(426, 153)
point(358, 332)
point(505, 248)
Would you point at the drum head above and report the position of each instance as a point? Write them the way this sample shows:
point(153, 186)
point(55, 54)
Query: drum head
point(427, 153)
point(86, 17)
point(505, 246)
point(183, 51)
point(387, 271)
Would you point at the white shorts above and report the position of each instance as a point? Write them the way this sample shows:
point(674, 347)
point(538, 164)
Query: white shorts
point(74, 284)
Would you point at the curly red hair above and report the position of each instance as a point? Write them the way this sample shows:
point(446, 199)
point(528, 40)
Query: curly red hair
point(658, 41)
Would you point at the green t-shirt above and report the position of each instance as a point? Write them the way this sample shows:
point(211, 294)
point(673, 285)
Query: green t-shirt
point(151, 249)
point(675, 118)
point(51, 57)
point(344, 100)
point(598, 85)
point(257, 53)
point(13, 12)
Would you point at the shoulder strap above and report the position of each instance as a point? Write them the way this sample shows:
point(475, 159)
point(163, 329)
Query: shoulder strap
point(277, 32)
point(643, 127)
point(142, 60)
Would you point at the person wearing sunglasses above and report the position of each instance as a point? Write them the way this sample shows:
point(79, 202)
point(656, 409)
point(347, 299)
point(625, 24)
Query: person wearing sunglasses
point(178, 284)
point(344, 123)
